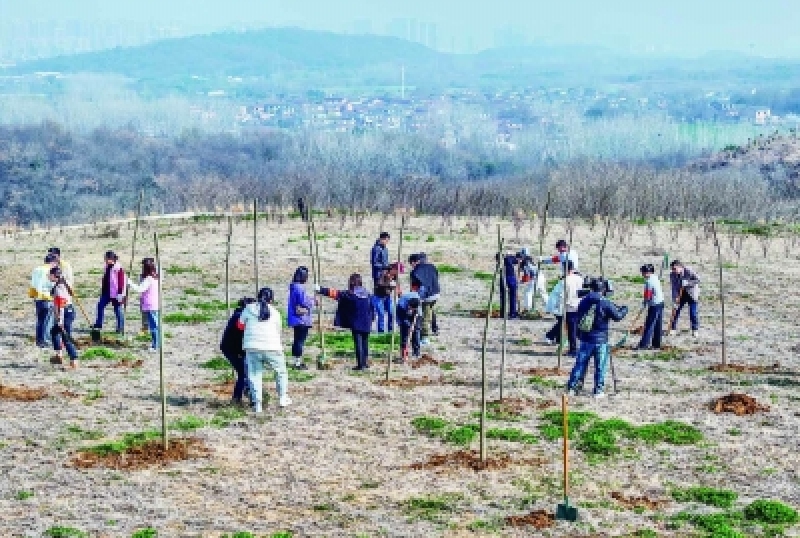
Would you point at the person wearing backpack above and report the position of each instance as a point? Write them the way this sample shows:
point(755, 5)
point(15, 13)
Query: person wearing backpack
point(232, 348)
point(653, 300)
point(594, 313)
point(261, 323)
point(355, 311)
point(299, 309)
point(64, 317)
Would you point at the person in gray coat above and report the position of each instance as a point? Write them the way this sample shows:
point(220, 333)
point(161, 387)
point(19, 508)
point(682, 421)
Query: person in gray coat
point(685, 290)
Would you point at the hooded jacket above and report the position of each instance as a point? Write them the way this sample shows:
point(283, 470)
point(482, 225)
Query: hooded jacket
point(605, 312)
point(379, 259)
point(233, 337)
point(426, 278)
point(693, 288)
point(355, 310)
point(299, 298)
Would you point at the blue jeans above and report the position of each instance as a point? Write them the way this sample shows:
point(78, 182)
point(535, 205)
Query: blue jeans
point(383, 308)
point(508, 290)
point(152, 326)
point(55, 332)
point(44, 321)
point(239, 365)
point(586, 351)
point(255, 369)
point(693, 315)
point(118, 312)
point(361, 344)
point(653, 327)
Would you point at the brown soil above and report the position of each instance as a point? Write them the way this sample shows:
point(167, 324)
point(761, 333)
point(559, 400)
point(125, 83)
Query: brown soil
point(124, 363)
point(638, 330)
point(423, 361)
point(544, 372)
point(150, 454)
point(538, 519)
point(111, 343)
point(471, 459)
point(744, 368)
point(69, 394)
point(481, 314)
point(633, 503)
point(738, 404)
point(516, 406)
point(409, 382)
point(21, 394)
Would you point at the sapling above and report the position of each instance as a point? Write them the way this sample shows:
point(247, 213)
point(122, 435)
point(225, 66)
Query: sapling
point(504, 313)
point(394, 297)
point(483, 350)
point(721, 293)
point(161, 316)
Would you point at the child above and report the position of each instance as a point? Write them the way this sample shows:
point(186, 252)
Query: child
point(261, 323)
point(232, 349)
point(112, 290)
point(64, 315)
point(594, 342)
point(409, 318)
point(356, 312)
point(653, 300)
point(299, 315)
point(148, 301)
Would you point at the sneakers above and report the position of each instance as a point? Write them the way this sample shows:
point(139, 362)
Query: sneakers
point(425, 342)
point(73, 365)
point(55, 359)
point(152, 350)
point(671, 332)
point(285, 402)
point(549, 341)
point(694, 334)
point(257, 408)
point(300, 366)
point(599, 395)
point(571, 392)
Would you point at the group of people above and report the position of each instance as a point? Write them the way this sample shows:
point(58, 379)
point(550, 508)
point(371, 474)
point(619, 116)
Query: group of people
point(52, 290)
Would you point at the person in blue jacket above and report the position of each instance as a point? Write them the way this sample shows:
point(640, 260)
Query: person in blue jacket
point(231, 348)
point(509, 285)
point(409, 318)
point(356, 312)
point(298, 315)
point(594, 342)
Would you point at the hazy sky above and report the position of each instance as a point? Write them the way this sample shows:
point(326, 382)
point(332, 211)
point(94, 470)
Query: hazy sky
point(767, 27)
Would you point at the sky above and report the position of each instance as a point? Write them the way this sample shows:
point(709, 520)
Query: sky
point(761, 27)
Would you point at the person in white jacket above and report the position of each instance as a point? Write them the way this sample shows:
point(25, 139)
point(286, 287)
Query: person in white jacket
point(532, 278)
point(555, 305)
point(261, 323)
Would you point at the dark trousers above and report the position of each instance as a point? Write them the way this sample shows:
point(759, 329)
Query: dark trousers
point(239, 365)
point(405, 333)
point(44, 309)
point(300, 336)
point(572, 331)
point(361, 343)
point(508, 291)
point(59, 340)
point(653, 327)
point(693, 317)
point(101, 308)
point(555, 331)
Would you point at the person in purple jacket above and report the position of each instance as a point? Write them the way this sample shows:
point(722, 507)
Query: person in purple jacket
point(299, 314)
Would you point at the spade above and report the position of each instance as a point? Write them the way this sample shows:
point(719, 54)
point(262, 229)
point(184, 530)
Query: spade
point(564, 511)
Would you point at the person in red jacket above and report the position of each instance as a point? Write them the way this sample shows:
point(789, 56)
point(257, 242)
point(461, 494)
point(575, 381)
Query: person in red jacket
point(112, 290)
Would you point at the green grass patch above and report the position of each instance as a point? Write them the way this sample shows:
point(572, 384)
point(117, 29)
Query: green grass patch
point(210, 285)
point(664, 355)
point(178, 270)
point(128, 441)
point(770, 512)
point(435, 508)
point(341, 343)
point(217, 363)
point(187, 423)
point(183, 318)
point(84, 435)
point(513, 435)
point(192, 291)
point(720, 498)
point(447, 366)
point(483, 275)
point(214, 305)
point(445, 269)
point(224, 417)
point(545, 382)
point(64, 532)
point(429, 425)
point(23, 495)
point(719, 525)
point(462, 435)
point(300, 376)
point(148, 532)
point(98, 353)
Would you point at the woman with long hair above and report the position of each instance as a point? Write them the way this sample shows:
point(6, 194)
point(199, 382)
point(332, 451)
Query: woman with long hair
point(64, 314)
point(300, 307)
point(148, 299)
point(356, 312)
point(261, 323)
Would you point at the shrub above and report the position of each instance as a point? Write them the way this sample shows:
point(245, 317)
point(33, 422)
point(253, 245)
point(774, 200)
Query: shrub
point(771, 512)
point(64, 532)
point(721, 498)
point(98, 353)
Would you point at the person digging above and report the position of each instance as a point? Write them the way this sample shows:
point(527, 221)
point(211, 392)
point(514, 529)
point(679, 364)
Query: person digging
point(685, 286)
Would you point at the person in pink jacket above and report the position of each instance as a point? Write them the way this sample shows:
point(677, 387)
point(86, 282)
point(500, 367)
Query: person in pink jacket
point(112, 290)
point(148, 300)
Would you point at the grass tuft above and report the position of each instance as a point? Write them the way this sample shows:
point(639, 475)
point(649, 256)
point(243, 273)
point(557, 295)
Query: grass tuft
point(771, 512)
point(720, 498)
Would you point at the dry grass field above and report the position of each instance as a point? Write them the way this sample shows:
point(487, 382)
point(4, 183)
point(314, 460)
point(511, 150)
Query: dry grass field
point(353, 457)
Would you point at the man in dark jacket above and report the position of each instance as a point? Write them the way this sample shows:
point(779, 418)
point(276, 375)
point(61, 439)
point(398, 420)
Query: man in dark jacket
point(379, 256)
point(509, 286)
point(596, 311)
point(425, 281)
point(685, 286)
point(355, 311)
point(231, 348)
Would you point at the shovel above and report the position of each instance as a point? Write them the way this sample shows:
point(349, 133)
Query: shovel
point(624, 338)
point(565, 512)
point(94, 333)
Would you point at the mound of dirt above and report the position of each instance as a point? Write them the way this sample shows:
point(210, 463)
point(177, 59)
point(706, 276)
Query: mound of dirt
point(423, 361)
point(124, 363)
point(471, 459)
point(538, 519)
point(738, 404)
point(642, 502)
point(150, 454)
point(112, 343)
point(481, 314)
point(409, 382)
point(544, 372)
point(516, 406)
point(744, 368)
point(21, 393)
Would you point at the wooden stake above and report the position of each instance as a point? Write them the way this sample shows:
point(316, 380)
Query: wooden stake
point(318, 272)
point(565, 297)
point(255, 242)
point(394, 299)
point(603, 247)
point(721, 293)
point(506, 300)
point(228, 267)
point(162, 385)
point(133, 254)
point(542, 229)
point(483, 352)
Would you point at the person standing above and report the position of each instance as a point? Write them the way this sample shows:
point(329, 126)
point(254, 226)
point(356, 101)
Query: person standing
point(425, 280)
point(355, 311)
point(232, 349)
point(597, 311)
point(299, 314)
point(148, 300)
point(653, 300)
point(508, 286)
point(64, 317)
point(112, 290)
point(685, 286)
point(64, 265)
point(573, 284)
point(381, 297)
point(409, 313)
point(261, 323)
point(532, 278)
point(39, 291)
point(563, 254)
